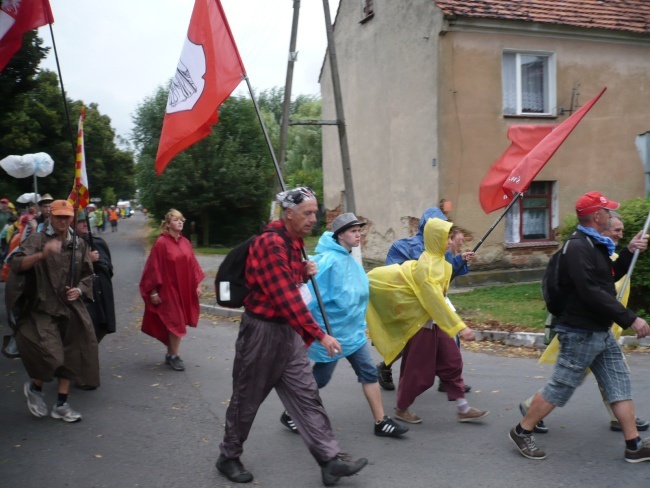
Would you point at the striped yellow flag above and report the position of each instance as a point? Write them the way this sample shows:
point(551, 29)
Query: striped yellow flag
point(79, 196)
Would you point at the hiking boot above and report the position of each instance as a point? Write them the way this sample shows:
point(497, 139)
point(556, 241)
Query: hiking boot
point(339, 467)
point(407, 416)
point(641, 425)
point(472, 415)
point(641, 454)
point(233, 469)
point(441, 388)
point(540, 427)
point(385, 376)
point(388, 428)
point(65, 413)
point(176, 363)
point(526, 445)
point(288, 422)
point(35, 401)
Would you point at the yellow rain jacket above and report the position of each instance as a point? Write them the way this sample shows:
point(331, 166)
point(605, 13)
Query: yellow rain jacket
point(553, 349)
point(403, 297)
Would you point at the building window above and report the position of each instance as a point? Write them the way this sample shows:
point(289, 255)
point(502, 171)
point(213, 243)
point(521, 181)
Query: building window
point(367, 10)
point(528, 83)
point(534, 216)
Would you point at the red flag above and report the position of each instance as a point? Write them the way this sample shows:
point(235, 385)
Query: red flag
point(525, 172)
point(79, 195)
point(16, 18)
point(209, 70)
point(524, 138)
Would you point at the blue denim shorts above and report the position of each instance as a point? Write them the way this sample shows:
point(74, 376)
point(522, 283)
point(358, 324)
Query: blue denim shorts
point(361, 362)
point(597, 351)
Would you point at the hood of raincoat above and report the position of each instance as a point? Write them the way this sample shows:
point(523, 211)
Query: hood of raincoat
point(412, 247)
point(343, 287)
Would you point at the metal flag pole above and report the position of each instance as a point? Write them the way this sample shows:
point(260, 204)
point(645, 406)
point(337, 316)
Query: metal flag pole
point(633, 263)
point(489, 231)
point(284, 187)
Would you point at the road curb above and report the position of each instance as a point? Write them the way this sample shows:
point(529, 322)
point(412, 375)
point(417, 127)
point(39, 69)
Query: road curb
point(517, 339)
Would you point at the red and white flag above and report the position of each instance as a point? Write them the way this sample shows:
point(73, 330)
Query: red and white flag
point(524, 138)
point(79, 196)
point(16, 18)
point(524, 173)
point(209, 70)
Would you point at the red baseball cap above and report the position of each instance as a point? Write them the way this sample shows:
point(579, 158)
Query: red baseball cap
point(592, 202)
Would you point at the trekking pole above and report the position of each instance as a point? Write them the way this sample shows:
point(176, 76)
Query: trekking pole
point(634, 258)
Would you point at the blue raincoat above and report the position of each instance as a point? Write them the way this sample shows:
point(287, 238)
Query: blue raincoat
point(343, 286)
point(411, 248)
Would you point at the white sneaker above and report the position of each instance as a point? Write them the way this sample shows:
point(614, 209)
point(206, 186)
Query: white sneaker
point(35, 401)
point(65, 413)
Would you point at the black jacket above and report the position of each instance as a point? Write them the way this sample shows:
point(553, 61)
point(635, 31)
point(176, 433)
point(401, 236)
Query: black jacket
point(589, 276)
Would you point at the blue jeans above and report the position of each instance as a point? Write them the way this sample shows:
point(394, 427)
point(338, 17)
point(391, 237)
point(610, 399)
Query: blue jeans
point(361, 362)
point(598, 351)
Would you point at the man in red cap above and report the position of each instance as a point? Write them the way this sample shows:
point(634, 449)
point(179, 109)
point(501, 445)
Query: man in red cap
point(586, 341)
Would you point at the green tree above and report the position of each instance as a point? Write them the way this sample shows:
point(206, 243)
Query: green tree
point(221, 183)
point(33, 119)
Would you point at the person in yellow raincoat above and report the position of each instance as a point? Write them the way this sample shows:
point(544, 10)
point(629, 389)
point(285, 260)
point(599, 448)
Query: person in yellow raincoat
point(615, 233)
point(409, 310)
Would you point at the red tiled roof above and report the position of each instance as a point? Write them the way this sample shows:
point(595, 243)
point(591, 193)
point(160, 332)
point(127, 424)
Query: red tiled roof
point(621, 15)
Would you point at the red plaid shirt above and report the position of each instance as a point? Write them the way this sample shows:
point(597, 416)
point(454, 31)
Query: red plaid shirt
point(274, 280)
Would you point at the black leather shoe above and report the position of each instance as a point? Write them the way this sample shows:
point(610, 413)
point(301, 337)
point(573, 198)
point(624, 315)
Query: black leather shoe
point(233, 469)
point(339, 467)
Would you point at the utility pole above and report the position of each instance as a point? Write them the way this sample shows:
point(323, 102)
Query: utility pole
point(286, 107)
point(349, 205)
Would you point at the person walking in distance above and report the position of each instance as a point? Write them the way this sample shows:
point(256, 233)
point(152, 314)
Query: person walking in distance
point(170, 287)
point(270, 349)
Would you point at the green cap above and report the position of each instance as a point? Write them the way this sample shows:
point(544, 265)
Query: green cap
point(81, 216)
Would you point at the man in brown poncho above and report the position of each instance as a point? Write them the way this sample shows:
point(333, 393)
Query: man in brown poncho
point(53, 330)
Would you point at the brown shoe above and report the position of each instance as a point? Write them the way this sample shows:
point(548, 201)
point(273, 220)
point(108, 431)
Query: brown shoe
point(407, 416)
point(472, 414)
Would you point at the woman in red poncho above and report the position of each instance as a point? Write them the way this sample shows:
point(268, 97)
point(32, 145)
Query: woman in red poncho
point(171, 287)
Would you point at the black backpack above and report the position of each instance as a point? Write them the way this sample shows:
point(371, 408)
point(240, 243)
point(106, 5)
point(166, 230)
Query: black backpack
point(230, 282)
point(553, 292)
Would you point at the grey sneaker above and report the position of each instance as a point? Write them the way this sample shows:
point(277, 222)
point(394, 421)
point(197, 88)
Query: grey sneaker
point(65, 413)
point(526, 445)
point(35, 401)
point(641, 425)
point(641, 454)
point(176, 363)
point(339, 467)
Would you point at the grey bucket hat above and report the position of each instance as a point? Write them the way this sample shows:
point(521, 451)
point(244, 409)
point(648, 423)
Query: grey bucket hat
point(345, 221)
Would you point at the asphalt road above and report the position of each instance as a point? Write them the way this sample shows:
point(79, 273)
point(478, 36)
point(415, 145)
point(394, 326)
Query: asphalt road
point(148, 426)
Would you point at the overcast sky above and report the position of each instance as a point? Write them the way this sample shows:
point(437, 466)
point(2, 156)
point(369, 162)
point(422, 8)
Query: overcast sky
point(116, 53)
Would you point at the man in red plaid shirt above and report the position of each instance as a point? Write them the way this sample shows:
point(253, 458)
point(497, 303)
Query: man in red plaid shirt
point(271, 349)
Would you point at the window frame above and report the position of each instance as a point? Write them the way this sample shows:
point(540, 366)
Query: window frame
point(550, 80)
point(515, 219)
point(367, 11)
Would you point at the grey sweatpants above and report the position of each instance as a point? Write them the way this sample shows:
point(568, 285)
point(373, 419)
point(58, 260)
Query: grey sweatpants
point(270, 355)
